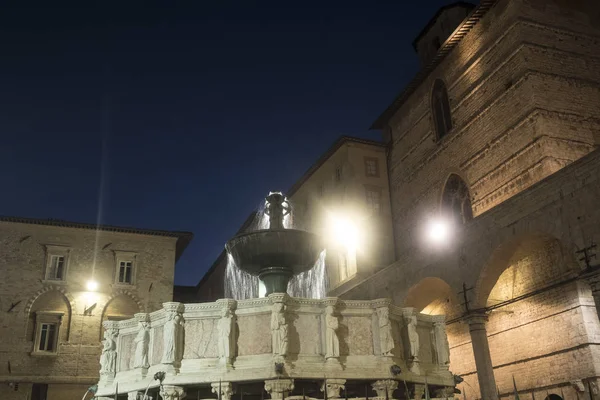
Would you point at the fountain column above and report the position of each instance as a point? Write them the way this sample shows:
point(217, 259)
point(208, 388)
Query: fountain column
point(168, 392)
point(333, 387)
point(383, 386)
point(279, 389)
point(223, 390)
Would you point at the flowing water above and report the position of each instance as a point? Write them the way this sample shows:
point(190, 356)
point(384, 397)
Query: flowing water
point(311, 284)
point(240, 285)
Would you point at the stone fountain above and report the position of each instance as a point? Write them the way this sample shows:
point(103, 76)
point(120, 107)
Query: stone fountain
point(277, 346)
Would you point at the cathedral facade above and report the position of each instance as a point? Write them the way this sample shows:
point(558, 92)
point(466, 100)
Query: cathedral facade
point(495, 141)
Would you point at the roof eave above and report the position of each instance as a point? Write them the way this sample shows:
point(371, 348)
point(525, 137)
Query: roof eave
point(450, 43)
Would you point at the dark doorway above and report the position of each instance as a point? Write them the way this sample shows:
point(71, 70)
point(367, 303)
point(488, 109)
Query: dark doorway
point(39, 391)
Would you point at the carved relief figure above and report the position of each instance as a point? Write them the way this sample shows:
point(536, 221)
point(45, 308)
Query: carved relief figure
point(226, 335)
point(332, 343)
point(413, 337)
point(386, 337)
point(173, 335)
point(279, 330)
point(141, 346)
point(441, 343)
point(108, 359)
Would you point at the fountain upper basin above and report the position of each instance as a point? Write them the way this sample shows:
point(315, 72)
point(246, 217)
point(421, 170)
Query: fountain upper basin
point(275, 254)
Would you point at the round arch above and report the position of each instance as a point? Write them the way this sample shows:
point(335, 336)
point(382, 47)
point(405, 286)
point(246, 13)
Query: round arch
point(55, 299)
point(122, 304)
point(431, 296)
point(513, 253)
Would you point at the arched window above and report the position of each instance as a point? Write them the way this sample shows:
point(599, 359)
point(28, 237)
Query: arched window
point(456, 200)
point(440, 108)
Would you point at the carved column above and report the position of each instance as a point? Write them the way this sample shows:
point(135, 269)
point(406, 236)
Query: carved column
point(483, 359)
point(226, 327)
point(386, 335)
point(279, 389)
point(142, 341)
point(412, 339)
point(137, 396)
point(419, 391)
point(168, 392)
point(279, 326)
point(109, 359)
point(332, 325)
point(389, 385)
point(173, 335)
point(442, 348)
point(333, 387)
point(226, 389)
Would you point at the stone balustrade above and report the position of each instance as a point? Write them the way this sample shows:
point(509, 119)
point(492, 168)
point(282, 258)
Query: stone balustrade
point(273, 337)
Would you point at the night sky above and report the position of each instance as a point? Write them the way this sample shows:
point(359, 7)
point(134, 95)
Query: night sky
point(183, 115)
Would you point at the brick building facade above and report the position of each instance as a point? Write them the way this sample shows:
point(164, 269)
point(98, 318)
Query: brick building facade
point(498, 135)
point(60, 280)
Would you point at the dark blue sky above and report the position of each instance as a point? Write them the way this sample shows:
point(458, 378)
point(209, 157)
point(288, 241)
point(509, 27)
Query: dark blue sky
point(183, 115)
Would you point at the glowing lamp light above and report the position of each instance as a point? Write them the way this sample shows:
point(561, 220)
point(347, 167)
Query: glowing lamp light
point(345, 232)
point(438, 231)
point(92, 286)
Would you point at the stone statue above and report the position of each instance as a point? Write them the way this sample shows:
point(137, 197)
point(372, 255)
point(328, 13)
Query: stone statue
point(173, 335)
point(442, 348)
point(141, 346)
point(413, 336)
point(108, 359)
point(386, 337)
point(277, 207)
point(279, 330)
point(226, 334)
point(332, 343)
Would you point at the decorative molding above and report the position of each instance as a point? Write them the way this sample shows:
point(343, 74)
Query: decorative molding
point(68, 297)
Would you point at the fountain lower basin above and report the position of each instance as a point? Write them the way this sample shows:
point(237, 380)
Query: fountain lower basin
point(275, 255)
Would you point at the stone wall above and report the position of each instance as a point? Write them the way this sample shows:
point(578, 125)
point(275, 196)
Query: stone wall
point(524, 96)
point(91, 255)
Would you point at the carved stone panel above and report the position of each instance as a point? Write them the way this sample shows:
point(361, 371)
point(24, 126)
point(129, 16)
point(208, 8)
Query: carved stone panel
point(306, 328)
point(200, 339)
point(157, 345)
point(126, 352)
point(254, 334)
point(425, 338)
point(356, 336)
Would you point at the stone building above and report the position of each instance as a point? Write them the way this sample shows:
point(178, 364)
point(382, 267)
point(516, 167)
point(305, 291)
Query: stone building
point(495, 140)
point(60, 281)
point(344, 197)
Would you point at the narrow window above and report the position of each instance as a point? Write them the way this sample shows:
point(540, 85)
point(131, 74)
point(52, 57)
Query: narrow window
point(343, 266)
point(371, 167)
point(374, 200)
point(338, 174)
point(125, 271)
point(441, 109)
point(56, 268)
point(456, 200)
point(47, 337)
